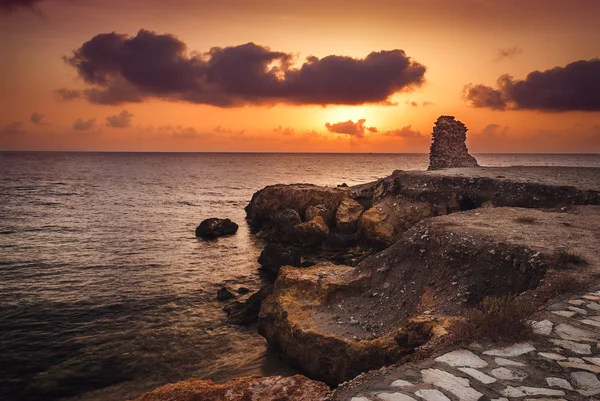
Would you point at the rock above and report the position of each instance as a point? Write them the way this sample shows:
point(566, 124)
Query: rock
point(512, 350)
point(347, 215)
point(274, 256)
point(224, 294)
point(523, 391)
point(285, 222)
point(214, 227)
point(339, 241)
point(312, 233)
point(462, 357)
point(319, 210)
point(578, 348)
point(374, 227)
point(543, 327)
point(458, 386)
point(246, 312)
point(274, 388)
point(299, 197)
point(587, 383)
point(448, 148)
point(242, 290)
point(432, 395)
point(477, 375)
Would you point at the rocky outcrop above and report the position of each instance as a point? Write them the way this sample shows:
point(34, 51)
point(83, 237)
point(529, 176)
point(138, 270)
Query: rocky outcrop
point(214, 227)
point(448, 147)
point(299, 197)
point(223, 294)
point(274, 256)
point(319, 210)
point(347, 215)
point(274, 388)
point(334, 322)
point(312, 233)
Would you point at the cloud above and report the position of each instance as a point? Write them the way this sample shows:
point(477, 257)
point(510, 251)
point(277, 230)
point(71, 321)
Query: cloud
point(9, 6)
point(575, 87)
point(508, 53)
point(427, 103)
point(494, 131)
point(119, 68)
point(356, 129)
point(284, 131)
point(122, 120)
point(13, 129)
point(181, 132)
point(84, 125)
point(37, 118)
point(68, 94)
point(405, 132)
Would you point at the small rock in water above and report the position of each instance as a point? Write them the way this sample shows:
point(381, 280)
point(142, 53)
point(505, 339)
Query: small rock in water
point(224, 294)
point(214, 227)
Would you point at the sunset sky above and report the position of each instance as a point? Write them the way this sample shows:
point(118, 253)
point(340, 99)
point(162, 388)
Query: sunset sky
point(298, 76)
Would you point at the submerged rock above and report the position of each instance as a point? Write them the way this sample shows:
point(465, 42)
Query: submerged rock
point(214, 227)
point(347, 215)
point(274, 256)
point(273, 388)
point(224, 294)
point(246, 312)
point(448, 148)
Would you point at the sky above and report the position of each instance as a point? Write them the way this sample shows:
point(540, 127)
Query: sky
point(298, 76)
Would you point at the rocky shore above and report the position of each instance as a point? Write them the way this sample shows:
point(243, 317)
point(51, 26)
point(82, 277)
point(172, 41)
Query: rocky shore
point(378, 274)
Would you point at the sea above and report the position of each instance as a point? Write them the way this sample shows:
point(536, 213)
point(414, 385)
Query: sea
point(106, 293)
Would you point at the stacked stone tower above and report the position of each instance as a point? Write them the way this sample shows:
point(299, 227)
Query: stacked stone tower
point(448, 148)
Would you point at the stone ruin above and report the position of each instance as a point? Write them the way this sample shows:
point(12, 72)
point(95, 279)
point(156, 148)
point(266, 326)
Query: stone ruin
point(448, 148)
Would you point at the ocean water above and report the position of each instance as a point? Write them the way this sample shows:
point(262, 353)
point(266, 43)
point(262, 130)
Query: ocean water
point(105, 292)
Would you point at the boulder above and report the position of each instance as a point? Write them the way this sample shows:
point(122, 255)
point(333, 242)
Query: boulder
point(285, 222)
point(214, 227)
point(312, 233)
point(376, 228)
point(272, 388)
point(224, 294)
point(274, 256)
point(347, 215)
point(246, 312)
point(319, 210)
point(339, 241)
point(448, 148)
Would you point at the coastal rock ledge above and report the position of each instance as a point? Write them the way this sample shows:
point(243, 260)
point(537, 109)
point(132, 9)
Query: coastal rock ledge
point(274, 388)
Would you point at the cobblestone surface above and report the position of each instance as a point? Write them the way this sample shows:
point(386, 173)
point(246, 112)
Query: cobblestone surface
point(561, 364)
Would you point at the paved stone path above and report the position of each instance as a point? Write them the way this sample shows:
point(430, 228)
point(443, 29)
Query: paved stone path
point(562, 364)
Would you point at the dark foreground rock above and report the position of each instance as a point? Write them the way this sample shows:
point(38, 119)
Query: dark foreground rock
point(274, 256)
point(274, 388)
point(214, 227)
point(246, 312)
point(223, 294)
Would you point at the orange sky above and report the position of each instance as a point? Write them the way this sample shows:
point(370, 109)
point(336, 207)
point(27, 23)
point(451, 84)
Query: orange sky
point(458, 41)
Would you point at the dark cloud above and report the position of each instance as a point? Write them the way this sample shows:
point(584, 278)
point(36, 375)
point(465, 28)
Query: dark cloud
point(510, 52)
point(484, 96)
point(181, 132)
point(427, 103)
point(120, 68)
point(12, 129)
point(575, 87)
point(9, 6)
point(122, 120)
point(84, 125)
point(68, 94)
point(37, 118)
point(405, 132)
point(356, 129)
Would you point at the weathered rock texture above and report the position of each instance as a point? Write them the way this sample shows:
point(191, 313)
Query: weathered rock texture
point(274, 388)
point(448, 148)
point(334, 322)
